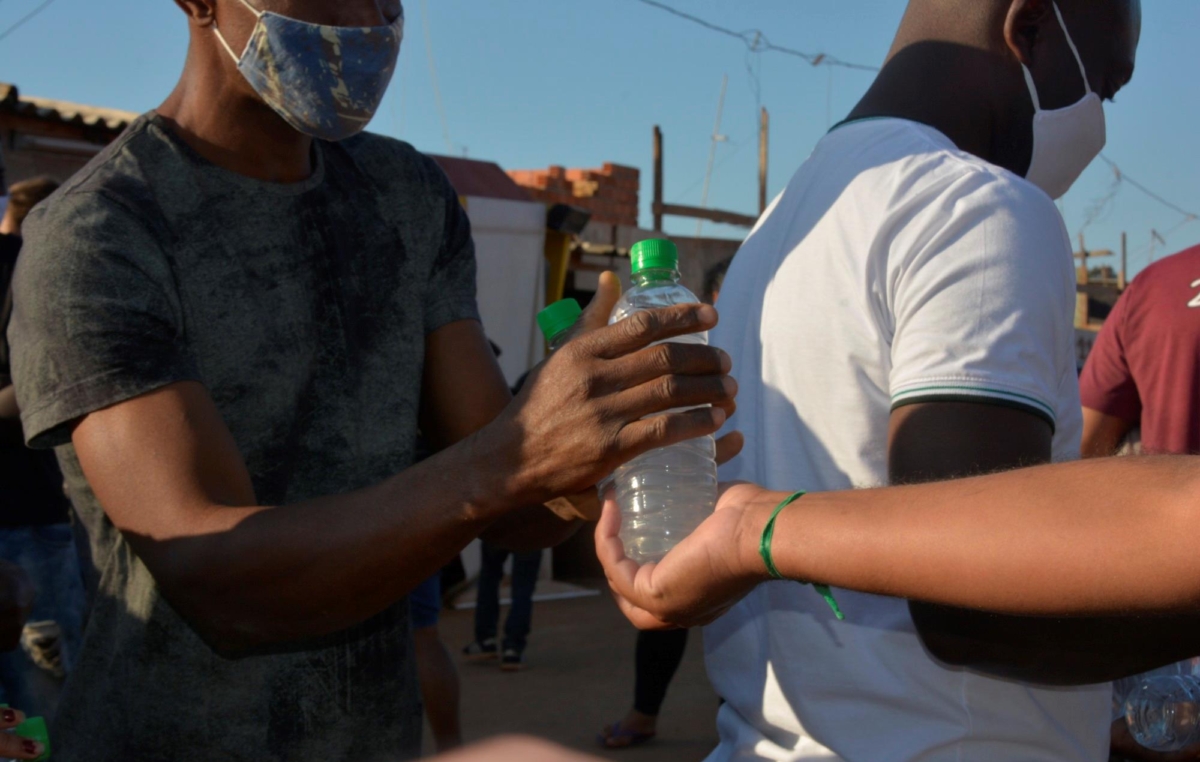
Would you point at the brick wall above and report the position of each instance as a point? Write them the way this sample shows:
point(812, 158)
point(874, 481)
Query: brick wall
point(610, 193)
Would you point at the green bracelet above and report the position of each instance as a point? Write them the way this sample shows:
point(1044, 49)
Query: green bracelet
point(764, 550)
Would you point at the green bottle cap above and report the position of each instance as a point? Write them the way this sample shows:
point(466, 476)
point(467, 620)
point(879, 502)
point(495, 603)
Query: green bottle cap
point(34, 729)
point(655, 254)
point(558, 317)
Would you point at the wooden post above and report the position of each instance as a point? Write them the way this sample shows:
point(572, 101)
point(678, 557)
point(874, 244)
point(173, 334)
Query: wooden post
point(658, 178)
point(1082, 313)
point(1083, 262)
point(1121, 276)
point(764, 135)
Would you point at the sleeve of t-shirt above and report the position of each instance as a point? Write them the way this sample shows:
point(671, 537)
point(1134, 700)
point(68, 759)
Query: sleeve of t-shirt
point(450, 295)
point(96, 320)
point(1106, 384)
point(982, 300)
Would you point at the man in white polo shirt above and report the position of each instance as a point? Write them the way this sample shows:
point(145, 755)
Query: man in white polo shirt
point(902, 313)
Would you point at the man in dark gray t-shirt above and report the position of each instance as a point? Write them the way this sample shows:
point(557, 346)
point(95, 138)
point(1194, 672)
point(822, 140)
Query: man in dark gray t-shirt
point(230, 325)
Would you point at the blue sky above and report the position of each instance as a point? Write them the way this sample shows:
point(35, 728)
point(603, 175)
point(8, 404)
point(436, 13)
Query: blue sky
point(528, 83)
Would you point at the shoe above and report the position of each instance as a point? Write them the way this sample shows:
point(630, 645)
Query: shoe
point(481, 651)
point(512, 660)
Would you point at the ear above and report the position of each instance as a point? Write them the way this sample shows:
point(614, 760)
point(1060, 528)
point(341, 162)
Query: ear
point(199, 12)
point(1023, 26)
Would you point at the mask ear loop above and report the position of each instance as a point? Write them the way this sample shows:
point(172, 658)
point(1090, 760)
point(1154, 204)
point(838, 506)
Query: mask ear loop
point(1078, 58)
point(236, 58)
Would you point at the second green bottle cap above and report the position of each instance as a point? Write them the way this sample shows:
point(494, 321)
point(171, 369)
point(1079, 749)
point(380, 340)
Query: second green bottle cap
point(558, 317)
point(654, 254)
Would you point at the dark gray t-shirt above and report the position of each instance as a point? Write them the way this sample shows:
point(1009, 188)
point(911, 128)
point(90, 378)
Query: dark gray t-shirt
point(303, 309)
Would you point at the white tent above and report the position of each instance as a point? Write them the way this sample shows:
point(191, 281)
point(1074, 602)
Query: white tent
point(509, 250)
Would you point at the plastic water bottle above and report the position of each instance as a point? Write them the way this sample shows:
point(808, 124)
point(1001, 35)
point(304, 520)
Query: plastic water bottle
point(557, 320)
point(1163, 712)
point(665, 494)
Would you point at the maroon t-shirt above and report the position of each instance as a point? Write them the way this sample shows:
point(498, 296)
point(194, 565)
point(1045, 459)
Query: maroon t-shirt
point(1145, 367)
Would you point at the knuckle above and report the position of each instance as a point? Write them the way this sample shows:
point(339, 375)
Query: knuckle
point(642, 325)
point(668, 388)
point(662, 358)
point(660, 427)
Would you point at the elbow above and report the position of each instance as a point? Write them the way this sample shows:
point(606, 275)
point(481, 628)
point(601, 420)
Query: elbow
point(212, 611)
point(213, 622)
point(938, 636)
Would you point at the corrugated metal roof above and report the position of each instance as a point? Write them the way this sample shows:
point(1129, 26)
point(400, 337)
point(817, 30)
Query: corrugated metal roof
point(12, 101)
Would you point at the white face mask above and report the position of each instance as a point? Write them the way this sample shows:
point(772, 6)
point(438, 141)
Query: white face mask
point(1065, 140)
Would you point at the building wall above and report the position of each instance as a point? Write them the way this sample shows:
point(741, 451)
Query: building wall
point(610, 192)
point(27, 156)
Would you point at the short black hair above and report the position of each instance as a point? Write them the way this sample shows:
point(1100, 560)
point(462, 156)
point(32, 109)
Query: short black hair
point(714, 279)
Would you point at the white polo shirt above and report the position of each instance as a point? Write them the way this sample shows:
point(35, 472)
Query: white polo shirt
point(893, 269)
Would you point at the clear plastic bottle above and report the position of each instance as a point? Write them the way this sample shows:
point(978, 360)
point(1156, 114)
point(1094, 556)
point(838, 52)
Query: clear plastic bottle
point(1163, 712)
point(666, 493)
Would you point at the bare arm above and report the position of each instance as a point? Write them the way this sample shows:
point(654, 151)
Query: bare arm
point(1113, 538)
point(169, 475)
point(464, 390)
point(948, 440)
point(1103, 433)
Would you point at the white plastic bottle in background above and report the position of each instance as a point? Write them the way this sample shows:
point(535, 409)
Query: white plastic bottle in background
point(666, 493)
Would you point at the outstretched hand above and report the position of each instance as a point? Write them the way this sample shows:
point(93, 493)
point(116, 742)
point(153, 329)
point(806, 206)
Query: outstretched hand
point(612, 393)
point(702, 578)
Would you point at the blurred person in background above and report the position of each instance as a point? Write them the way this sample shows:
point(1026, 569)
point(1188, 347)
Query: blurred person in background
point(440, 687)
point(659, 652)
point(1143, 375)
point(510, 651)
point(35, 530)
point(1143, 372)
point(16, 602)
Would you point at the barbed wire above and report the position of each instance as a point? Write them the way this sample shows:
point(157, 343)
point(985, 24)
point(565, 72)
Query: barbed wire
point(756, 40)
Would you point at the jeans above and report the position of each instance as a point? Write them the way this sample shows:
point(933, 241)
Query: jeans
point(48, 556)
point(487, 606)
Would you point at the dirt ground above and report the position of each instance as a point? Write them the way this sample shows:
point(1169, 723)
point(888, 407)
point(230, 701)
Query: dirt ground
point(579, 678)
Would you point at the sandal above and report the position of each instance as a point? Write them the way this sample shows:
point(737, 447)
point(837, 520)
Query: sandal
point(627, 738)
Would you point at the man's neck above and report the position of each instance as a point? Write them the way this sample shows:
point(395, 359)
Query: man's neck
point(956, 90)
point(242, 134)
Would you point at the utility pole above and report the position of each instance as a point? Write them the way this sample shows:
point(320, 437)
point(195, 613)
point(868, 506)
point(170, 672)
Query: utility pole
point(764, 137)
point(1121, 281)
point(658, 179)
point(717, 137)
point(1083, 267)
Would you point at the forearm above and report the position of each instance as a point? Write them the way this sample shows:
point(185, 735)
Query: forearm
point(1112, 537)
point(256, 577)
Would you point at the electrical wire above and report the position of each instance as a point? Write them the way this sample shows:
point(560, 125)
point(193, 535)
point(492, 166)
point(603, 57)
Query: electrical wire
point(756, 41)
point(1126, 178)
point(1097, 208)
point(26, 19)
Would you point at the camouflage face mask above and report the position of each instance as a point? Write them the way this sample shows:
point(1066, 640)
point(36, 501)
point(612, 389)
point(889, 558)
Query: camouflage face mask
point(325, 81)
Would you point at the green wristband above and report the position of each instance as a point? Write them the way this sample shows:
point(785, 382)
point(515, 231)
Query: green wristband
point(764, 550)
